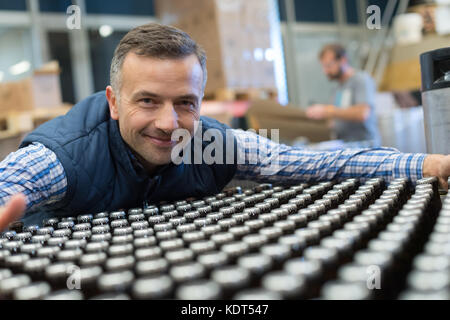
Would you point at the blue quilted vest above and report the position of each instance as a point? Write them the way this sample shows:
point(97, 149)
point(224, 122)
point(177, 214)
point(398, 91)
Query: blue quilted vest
point(99, 169)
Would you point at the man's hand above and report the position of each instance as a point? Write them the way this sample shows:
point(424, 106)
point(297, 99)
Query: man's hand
point(13, 211)
point(436, 165)
point(320, 111)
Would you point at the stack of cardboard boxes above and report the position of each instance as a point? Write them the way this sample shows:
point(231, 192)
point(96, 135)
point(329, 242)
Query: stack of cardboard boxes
point(235, 35)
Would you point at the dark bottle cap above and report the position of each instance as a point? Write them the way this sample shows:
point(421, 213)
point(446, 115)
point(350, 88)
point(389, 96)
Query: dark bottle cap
point(153, 287)
point(152, 220)
point(225, 224)
point(235, 249)
point(100, 221)
point(327, 256)
point(101, 237)
point(120, 223)
point(257, 294)
point(166, 235)
point(239, 231)
point(186, 228)
point(240, 218)
point(277, 252)
point(212, 260)
point(179, 256)
point(65, 295)
point(202, 222)
point(256, 263)
point(151, 267)
point(167, 207)
point(44, 231)
point(324, 227)
point(120, 249)
point(193, 236)
point(231, 277)
point(311, 236)
point(139, 225)
point(187, 272)
point(200, 247)
point(295, 243)
point(148, 253)
point(144, 242)
point(428, 281)
point(222, 238)
point(8, 285)
point(135, 211)
point(425, 295)
point(122, 239)
point(120, 263)
point(69, 255)
point(178, 221)
point(92, 259)
point(168, 214)
point(286, 226)
point(97, 246)
point(211, 229)
point(57, 241)
point(162, 226)
point(255, 225)
point(152, 211)
point(172, 244)
point(117, 215)
point(16, 226)
point(340, 290)
point(16, 261)
point(115, 281)
point(199, 290)
point(100, 229)
point(136, 217)
point(66, 225)
point(40, 239)
point(272, 233)
point(430, 263)
point(285, 284)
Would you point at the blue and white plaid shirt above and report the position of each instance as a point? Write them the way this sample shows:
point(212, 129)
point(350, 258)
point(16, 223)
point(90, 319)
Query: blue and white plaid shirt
point(36, 172)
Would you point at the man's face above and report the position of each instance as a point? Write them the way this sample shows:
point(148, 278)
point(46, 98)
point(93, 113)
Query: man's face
point(157, 97)
point(331, 66)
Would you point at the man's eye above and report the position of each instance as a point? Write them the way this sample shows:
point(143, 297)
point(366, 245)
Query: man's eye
point(187, 104)
point(147, 101)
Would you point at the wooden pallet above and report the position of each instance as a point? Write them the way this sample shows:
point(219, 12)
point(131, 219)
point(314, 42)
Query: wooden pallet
point(14, 123)
point(227, 94)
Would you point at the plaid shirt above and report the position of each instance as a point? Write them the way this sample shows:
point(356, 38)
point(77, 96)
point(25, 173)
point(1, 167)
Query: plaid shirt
point(36, 172)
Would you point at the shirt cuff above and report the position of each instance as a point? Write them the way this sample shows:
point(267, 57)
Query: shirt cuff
point(408, 165)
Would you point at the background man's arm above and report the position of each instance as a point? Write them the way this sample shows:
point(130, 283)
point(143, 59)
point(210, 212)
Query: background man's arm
point(357, 113)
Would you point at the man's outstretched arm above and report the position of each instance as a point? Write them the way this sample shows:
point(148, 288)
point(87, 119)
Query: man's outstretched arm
point(261, 159)
point(29, 178)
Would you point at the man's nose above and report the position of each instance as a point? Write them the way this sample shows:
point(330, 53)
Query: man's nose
point(167, 118)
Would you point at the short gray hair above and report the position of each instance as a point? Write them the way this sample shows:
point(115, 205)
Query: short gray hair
point(158, 41)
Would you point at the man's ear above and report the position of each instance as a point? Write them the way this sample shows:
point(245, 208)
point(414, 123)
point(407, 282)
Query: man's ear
point(112, 101)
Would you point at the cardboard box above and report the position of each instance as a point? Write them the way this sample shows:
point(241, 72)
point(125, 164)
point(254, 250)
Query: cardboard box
point(230, 31)
point(291, 121)
point(41, 90)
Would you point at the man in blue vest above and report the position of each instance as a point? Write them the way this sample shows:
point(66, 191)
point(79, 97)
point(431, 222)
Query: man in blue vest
point(116, 149)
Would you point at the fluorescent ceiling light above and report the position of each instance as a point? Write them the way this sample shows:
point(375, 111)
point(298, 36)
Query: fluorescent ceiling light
point(105, 30)
point(20, 68)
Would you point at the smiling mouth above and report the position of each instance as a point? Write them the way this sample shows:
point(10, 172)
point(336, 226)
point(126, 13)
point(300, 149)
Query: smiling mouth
point(161, 142)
